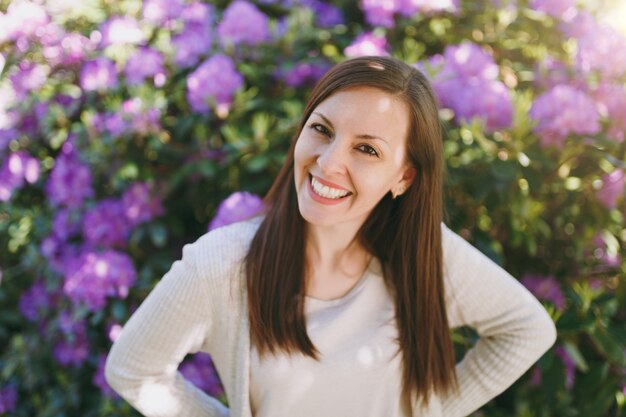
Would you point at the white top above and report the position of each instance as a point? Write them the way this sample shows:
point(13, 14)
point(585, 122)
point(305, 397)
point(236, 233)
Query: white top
point(201, 305)
point(359, 371)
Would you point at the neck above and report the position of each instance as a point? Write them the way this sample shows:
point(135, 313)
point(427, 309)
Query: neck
point(333, 247)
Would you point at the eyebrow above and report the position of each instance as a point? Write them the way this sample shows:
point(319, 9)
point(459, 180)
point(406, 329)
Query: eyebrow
point(361, 136)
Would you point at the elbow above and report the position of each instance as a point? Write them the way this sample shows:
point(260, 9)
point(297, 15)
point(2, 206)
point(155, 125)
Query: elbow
point(544, 333)
point(114, 373)
point(110, 372)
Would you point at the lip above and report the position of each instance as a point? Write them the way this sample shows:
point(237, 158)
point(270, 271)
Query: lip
point(323, 200)
point(330, 184)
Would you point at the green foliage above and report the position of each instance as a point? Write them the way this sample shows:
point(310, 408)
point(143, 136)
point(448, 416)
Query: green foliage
point(532, 209)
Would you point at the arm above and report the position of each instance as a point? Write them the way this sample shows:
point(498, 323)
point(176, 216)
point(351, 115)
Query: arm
point(172, 321)
point(514, 328)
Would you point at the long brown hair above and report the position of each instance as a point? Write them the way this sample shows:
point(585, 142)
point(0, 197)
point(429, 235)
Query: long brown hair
point(403, 233)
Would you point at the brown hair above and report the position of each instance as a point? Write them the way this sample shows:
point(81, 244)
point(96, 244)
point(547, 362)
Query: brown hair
point(403, 233)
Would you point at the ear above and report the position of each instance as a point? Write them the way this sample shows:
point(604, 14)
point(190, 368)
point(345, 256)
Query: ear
point(407, 177)
point(404, 182)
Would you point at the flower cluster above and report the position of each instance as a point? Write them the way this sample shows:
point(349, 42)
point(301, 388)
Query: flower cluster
point(367, 43)
point(561, 111)
point(382, 12)
point(613, 188)
point(466, 82)
point(69, 183)
point(19, 168)
point(213, 83)
point(196, 38)
point(243, 23)
point(238, 206)
point(93, 276)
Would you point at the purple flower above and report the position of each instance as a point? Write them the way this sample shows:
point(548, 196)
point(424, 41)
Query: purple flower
point(66, 223)
point(326, 15)
point(237, 207)
point(111, 123)
point(612, 188)
point(367, 43)
point(36, 302)
point(22, 19)
point(468, 61)
point(550, 72)
point(243, 23)
point(603, 51)
point(73, 347)
point(69, 50)
point(611, 100)
point(580, 25)
point(561, 111)
point(93, 276)
point(466, 82)
point(200, 371)
point(545, 288)
point(568, 362)
point(139, 118)
point(197, 12)
point(535, 377)
point(6, 136)
point(409, 7)
point(58, 253)
point(560, 9)
point(145, 62)
point(100, 381)
point(160, 11)
point(140, 204)
point(303, 73)
point(213, 83)
point(69, 183)
point(379, 12)
point(99, 74)
point(121, 31)
point(106, 224)
point(195, 41)
point(8, 399)
point(604, 252)
point(17, 168)
point(487, 100)
point(29, 78)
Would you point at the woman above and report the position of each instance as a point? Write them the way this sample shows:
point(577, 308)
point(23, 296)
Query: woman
point(338, 300)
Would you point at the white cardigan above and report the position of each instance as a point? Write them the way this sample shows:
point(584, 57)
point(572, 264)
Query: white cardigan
point(201, 305)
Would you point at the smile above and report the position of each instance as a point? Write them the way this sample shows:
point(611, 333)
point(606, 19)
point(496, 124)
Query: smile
point(325, 192)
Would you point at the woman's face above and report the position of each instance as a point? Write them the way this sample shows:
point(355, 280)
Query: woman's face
point(350, 153)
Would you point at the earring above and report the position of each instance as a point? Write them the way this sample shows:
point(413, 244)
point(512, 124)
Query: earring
point(398, 191)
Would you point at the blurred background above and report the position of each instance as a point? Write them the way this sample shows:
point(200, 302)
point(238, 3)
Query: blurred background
point(129, 128)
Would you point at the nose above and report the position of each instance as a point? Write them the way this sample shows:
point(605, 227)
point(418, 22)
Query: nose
point(332, 159)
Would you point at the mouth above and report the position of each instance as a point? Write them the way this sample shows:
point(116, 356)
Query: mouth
point(326, 192)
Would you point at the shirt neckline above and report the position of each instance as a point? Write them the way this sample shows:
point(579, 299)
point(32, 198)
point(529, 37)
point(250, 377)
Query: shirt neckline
point(340, 300)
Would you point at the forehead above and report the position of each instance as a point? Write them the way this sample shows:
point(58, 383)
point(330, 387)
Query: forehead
point(367, 110)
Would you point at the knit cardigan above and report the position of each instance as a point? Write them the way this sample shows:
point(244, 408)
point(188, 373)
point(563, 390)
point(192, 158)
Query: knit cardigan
point(201, 305)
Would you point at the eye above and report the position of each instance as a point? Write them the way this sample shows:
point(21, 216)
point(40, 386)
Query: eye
point(367, 149)
point(319, 128)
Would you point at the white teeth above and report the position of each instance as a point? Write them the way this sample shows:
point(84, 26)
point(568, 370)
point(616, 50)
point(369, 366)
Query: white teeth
point(325, 191)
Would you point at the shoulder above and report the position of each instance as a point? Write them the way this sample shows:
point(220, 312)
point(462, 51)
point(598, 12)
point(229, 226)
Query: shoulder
point(221, 251)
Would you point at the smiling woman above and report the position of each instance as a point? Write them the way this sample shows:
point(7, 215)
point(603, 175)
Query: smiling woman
point(339, 299)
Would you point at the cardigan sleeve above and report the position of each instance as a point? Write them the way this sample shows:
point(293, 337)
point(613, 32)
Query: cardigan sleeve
point(173, 320)
point(514, 329)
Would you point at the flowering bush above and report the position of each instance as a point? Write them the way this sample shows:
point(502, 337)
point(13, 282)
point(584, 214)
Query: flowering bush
point(127, 129)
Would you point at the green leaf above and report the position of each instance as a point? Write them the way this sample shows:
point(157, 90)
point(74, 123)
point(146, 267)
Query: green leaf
point(609, 345)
